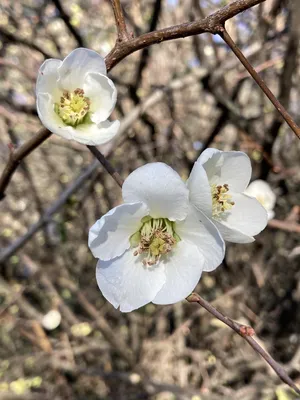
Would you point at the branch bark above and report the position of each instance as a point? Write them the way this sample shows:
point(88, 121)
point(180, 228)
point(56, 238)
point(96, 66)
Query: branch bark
point(246, 332)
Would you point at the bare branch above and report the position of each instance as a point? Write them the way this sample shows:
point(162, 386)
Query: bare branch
point(120, 21)
point(289, 120)
point(212, 24)
point(17, 156)
point(246, 332)
point(106, 164)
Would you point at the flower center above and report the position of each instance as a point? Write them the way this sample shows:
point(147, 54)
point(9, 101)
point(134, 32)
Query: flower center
point(221, 200)
point(155, 238)
point(73, 107)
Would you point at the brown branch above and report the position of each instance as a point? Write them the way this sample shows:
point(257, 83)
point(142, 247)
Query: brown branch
point(289, 120)
point(213, 24)
point(16, 156)
point(246, 332)
point(106, 164)
point(123, 35)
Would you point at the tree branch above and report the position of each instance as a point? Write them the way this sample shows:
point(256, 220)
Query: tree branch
point(246, 332)
point(16, 156)
point(289, 120)
point(212, 24)
point(123, 35)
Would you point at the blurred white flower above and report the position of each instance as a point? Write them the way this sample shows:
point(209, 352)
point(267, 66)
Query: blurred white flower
point(75, 98)
point(262, 191)
point(153, 247)
point(51, 320)
point(216, 184)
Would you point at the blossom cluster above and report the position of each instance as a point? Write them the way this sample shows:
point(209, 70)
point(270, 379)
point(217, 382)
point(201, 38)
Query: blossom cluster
point(155, 246)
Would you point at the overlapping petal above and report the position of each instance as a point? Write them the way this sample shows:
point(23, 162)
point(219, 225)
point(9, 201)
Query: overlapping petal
point(47, 78)
point(161, 188)
point(199, 188)
point(102, 94)
point(231, 167)
point(95, 135)
point(247, 216)
point(126, 283)
point(109, 236)
point(183, 270)
point(77, 65)
point(198, 230)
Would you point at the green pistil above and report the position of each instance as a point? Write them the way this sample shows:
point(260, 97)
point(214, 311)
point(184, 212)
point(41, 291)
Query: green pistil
point(155, 238)
point(73, 107)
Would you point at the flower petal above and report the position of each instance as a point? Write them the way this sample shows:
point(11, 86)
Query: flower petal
point(94, 135)
point(47, 78)
point(200, 190)
point(198, 230)
point(231, 167)
point(262, 191)
point(183, 270)
point(247, 216)
point(49, 118)
point(161, 188)
point(76, 65)
point(233, 235)
point(109, 236)
point(126, 283)
point(103, 95)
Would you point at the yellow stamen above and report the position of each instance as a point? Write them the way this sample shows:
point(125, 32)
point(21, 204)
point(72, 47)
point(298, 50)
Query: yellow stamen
point(221, 200)
point(73, 107)
point(155, 238)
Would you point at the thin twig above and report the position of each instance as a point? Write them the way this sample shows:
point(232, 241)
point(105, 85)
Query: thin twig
point(289, 120)
point(16, 156)
point(65, 17)
point(120, 21)
point(106, 164)
point(246, 332)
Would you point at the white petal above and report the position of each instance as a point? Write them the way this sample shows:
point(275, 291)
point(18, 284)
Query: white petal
point(183, 270)
point(109, 236)
point(94, 135)
point(262, 191)
point(126, 283)
point(76, 65)
point(49, 118)
point(233, 235)
point(161, 188)
point(231, 167)
point(247, 216)
point(198, 230)
point(200, 190)
point(103, 96)
point(47, 78)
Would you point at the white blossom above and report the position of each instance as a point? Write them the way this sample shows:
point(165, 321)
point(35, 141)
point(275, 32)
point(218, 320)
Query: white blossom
point(75, 98)
point(217, 187)
point(154, 247)
point(262, 191)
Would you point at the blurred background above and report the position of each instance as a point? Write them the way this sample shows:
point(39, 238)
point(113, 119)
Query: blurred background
point(59, 338)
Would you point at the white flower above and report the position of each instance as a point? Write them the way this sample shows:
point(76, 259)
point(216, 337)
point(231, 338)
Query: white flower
point(75, 98)
point(216, 183)
point(153, 247)
point(262, 191)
